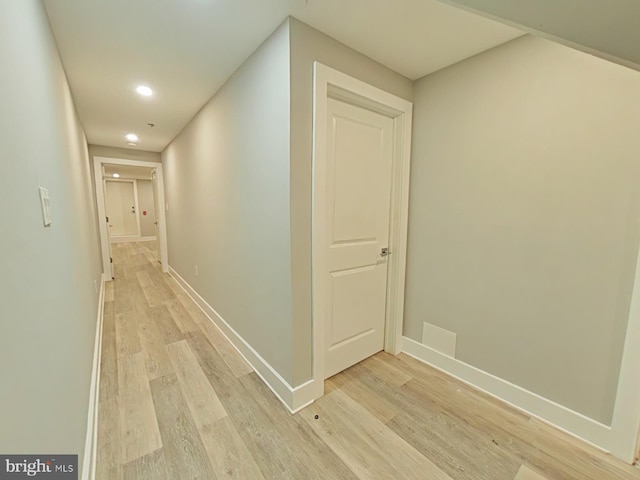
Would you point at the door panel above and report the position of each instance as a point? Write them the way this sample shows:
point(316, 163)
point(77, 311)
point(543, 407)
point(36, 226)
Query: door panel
point(121, 208)
point(359, 161)
point(352, 293)
point(357, 148)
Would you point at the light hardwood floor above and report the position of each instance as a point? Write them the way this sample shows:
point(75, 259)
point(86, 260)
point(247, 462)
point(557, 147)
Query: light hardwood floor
point(178, 402)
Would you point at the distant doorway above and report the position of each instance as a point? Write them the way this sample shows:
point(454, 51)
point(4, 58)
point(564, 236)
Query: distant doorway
point(131, 207)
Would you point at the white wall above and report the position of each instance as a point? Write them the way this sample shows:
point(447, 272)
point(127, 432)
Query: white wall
point(525, 216)
point(227, 186)
point(307, 46)
point(49, 304)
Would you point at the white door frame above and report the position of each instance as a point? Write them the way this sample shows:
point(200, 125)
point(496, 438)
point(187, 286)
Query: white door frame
point(136, 206)
point(155, 187)
point(98, 163)
point(626, 412)
point(330, 83)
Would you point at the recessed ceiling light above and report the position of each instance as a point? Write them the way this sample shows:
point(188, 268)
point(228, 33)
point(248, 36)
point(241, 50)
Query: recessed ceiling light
point(116, 175)
point(132, 137)
point(144, 90)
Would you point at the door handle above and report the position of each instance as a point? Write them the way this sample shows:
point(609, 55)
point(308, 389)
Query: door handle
point(384, 252)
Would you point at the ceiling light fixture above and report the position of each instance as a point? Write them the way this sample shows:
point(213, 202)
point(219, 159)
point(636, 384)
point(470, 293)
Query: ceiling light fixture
point(116, 175)
point(144, 90)
point(132, 137)
point(133, 144)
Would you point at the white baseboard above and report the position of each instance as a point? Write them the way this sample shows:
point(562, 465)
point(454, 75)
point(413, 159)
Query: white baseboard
point(124, 238)
point(132, 238)
point(294, 398)
point(561, 417)
point(91, 441)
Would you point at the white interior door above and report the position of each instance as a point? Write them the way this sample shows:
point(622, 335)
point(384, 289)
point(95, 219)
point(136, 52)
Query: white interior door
point(121, 208)
point(154, 184)
point(359, 164)
point(109, 271)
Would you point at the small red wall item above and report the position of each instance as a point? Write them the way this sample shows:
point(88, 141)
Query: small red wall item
point(144, 212)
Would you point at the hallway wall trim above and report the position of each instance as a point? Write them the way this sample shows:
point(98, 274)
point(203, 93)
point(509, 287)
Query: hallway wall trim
point(133, 238)
point(294, 398)
point(570, 421)
point(91, 441)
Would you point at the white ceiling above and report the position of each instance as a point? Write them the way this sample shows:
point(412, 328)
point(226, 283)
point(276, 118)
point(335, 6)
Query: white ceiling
point(186, 49)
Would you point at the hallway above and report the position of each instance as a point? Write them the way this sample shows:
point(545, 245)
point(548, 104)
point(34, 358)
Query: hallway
point(178, 402)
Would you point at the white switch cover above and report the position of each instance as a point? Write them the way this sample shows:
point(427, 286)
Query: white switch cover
point(46, 206)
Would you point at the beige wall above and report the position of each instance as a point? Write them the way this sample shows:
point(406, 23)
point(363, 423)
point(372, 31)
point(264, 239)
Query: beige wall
point(146, 204)
point(307, 46)
point(227, 186)
point(49, 304)
point(125, 153)
point(524, 216)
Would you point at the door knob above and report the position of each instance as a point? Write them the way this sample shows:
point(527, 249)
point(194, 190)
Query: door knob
point(384, 252)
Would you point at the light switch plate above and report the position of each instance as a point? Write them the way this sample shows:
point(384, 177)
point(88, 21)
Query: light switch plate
point(46, 206)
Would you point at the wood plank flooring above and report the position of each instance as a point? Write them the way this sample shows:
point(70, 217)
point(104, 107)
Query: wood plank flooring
point(178, 402)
